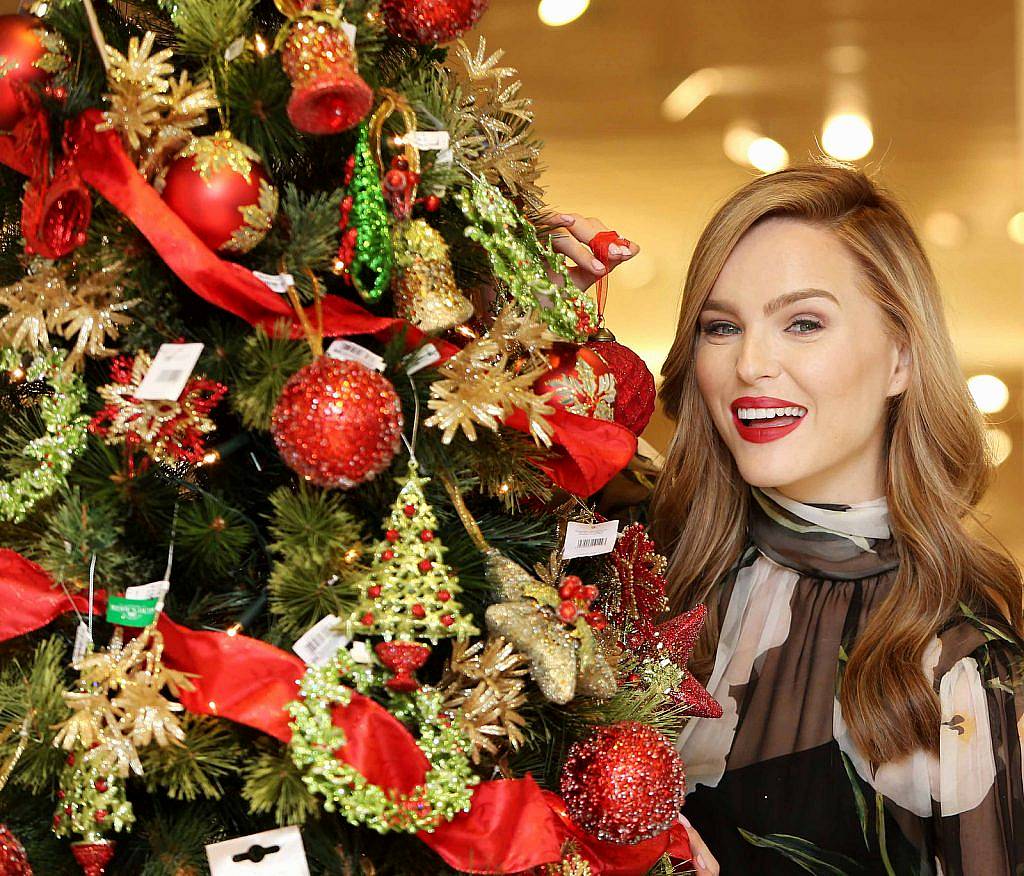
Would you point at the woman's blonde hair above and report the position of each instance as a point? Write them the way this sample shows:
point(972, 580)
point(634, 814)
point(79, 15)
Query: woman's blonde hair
point(937, 463)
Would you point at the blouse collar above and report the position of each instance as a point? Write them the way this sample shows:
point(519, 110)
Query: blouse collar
point(844, 542)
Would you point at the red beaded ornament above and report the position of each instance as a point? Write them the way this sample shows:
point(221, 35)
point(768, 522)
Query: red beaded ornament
point(431, 21)
point(337, 423)
point(624, 784)
point(635, 392)
point(13, 860)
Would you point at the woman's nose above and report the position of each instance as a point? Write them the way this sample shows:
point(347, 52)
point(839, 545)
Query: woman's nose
point(756, 359)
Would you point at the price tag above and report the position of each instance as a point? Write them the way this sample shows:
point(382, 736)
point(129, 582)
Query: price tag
point(444, 157)
point(590, 539)
point(321, 642)
point(349, 30)
point(428, 139)
point(361, 653)
point(271, 853)
point(234, 49)
point(82, 642)
point(422, 358)
point(153, 590)
point(131, 612)
point(172, 367)
point(279, 283)
point(351, 352)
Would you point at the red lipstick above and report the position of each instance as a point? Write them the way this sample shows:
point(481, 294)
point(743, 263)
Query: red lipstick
point(763, 431)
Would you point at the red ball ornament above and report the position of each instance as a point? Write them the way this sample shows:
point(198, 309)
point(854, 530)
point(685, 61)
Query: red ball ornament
point(409, 510)
point(391, 535)
point(337, 423)
point(328, 95)
point(425, 565)
point(374, 591)
point(419, 611)
point(426, 535)
point(623, 784)
point(431, 21)
point(387, 555)
point(443, 596)
point(580, 382)
point(220, 190)
point(635, 391)
point(21, 45)
point(567, 611)
point(13, 860)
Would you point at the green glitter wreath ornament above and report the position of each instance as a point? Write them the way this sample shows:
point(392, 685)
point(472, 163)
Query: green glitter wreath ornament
point(447, 788)
point(519, 261)
point(55, 451)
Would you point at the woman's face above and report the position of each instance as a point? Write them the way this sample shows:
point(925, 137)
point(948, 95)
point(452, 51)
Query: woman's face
point(788, 326)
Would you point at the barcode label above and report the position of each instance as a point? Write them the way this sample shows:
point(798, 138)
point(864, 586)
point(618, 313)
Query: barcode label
point(153, 590)
point(279, 283)
point(422, 358)
point(428, 139)
point(270, 853)
point(82, 642)
point(352, 352)
point(589, 540)
point(172, 366)
point(321, 642)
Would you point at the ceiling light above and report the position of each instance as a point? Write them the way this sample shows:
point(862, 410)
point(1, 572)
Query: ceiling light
point(1015, 228)
point(746, 146)
point(999, 444)
point(989, 392)
point(691, 93)
point(946, 229)
point(847, 136)
point(555, 13)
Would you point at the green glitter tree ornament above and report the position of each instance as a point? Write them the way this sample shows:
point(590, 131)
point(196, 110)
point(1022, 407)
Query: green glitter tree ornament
point(410, 592)
point(520, 262)
point(91, 801)
point(374, 256)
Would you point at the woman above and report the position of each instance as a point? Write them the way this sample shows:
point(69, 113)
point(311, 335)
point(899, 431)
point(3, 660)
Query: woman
point(866, 648)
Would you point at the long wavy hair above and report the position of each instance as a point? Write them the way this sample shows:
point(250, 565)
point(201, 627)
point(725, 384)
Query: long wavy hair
point(937, 463)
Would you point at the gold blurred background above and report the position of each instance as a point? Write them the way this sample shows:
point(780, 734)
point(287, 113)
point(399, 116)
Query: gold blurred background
point(639, 103)
point(642, 102)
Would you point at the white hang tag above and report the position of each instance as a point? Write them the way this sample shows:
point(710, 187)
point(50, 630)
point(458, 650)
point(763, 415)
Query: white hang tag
point(422, 358)
point(348, 351)
point(423, 140)
point(361, 653)
point(279, 283)
point(172, 367)
point(234, 49)
point(444, 157)
point(589, 539)
point(349, 30)
point(321, 641)
point(82, 642)
point(271, 853)
point(153, 590)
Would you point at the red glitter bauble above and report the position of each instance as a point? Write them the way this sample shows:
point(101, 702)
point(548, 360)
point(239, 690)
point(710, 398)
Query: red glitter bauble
point(431, 21)
point(20, 47)
point(337, 423)
point(93, 857)
point(634, 384)
point(624, 784)
point(219, 189)
point(13, 860)
point(580, 382)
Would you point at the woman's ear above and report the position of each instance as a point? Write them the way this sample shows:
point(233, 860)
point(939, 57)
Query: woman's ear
point(900, 379)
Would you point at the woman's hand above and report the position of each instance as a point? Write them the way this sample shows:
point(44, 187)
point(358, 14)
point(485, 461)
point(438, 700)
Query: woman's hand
point(572, 234)
point(704, 863)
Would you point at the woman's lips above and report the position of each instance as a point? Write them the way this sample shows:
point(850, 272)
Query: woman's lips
point(766, 430)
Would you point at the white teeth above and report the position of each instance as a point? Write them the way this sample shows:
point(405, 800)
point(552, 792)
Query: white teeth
point(769, 413)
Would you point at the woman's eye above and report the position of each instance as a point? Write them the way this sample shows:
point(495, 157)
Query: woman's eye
point(808, 326)
point(718, 328)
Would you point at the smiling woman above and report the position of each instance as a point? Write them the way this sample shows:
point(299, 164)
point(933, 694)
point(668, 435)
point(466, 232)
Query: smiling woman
point(865, 648)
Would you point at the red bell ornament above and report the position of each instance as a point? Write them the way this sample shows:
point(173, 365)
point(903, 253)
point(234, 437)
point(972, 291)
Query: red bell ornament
point(635, 391)
point(431, 21)
point(221, 191)
point(580, 382)
point(328, 95)
point(21, 48)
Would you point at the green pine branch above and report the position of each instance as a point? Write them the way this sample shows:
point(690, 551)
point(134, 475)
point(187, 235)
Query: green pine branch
point(273, 784)
point(264, 364)
point(212, 752)
point(212, 536)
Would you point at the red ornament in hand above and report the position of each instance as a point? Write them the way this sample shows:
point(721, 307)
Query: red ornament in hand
point(624, 784)
point(220, 190)
point(580, 381)
point(13, 860)
point(431, 21)
point(337, 423)
point(21, 46)
point(635, 391)
point(328, 94)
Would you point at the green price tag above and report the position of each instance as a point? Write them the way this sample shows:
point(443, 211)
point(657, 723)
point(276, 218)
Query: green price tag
point(131, 612)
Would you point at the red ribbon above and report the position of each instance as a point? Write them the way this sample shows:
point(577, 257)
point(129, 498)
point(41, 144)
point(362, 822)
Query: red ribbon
point(511, 826)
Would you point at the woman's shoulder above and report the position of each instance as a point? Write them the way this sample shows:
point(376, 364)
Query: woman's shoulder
point(981, 639)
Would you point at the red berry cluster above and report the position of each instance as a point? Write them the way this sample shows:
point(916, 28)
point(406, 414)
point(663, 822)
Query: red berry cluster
point(576, 598)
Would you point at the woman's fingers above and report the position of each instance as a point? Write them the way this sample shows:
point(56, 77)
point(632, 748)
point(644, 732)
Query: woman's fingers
point(571, 236)
point(704, 862)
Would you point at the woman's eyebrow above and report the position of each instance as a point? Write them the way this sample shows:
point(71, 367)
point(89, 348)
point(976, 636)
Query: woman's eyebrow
point(776, 304)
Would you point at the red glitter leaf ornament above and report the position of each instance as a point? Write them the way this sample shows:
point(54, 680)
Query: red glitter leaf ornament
point(633, 594)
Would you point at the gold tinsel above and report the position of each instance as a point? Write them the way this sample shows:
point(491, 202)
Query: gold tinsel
point(491, 377)
point(89, 310)
point(572, 864)
point(483, 683)
point(493, 131)
point(154, 113)
point(119, 705)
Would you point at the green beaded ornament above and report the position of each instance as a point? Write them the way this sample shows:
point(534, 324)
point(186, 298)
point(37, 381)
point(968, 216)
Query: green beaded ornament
point(54, 452)
point(374, 256)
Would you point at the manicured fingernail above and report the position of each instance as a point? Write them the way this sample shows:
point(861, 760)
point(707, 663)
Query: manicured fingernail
point(615, 249)
point(684, 821)
point(598, 265)
point(567, 219)
point(700, 862)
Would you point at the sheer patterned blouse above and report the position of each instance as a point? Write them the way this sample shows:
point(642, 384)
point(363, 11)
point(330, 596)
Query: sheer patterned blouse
point(777, 786)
